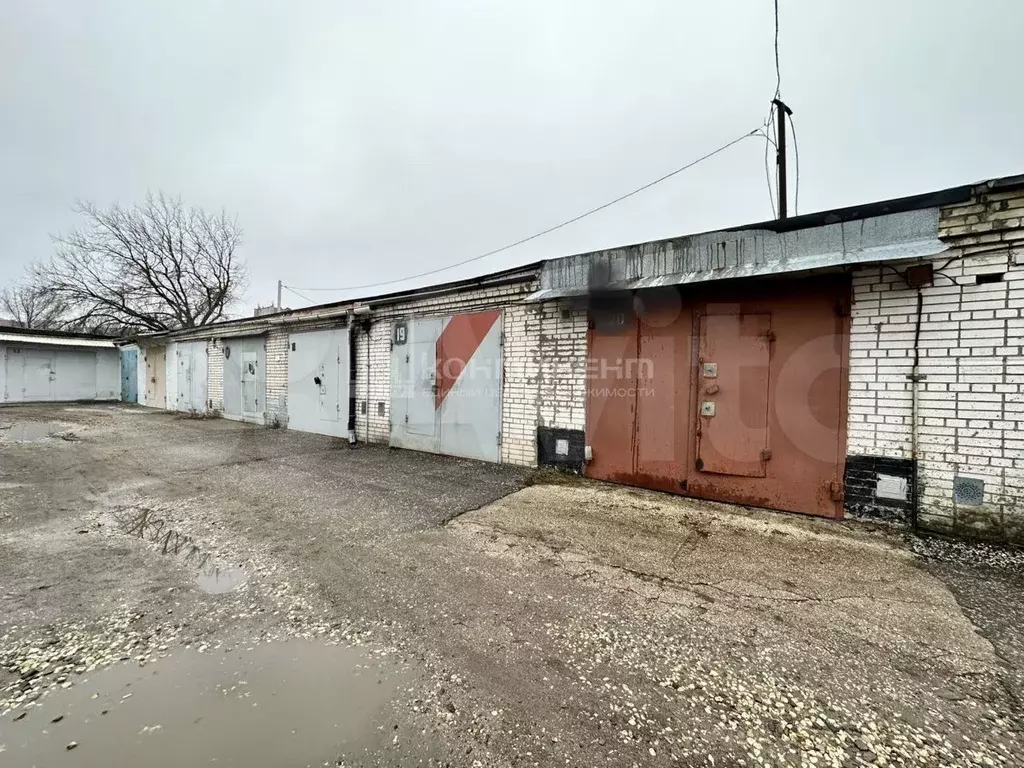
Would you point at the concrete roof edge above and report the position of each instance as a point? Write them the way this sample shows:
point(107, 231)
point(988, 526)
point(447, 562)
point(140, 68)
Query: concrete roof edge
point(263, 323)
point(17, 329)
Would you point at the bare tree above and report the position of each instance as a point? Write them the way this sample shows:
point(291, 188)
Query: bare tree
point(153, 267)
point(32, 306)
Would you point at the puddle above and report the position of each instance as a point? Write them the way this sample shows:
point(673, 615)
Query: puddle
point(216, 581)
point(292, 703)
point(34, 431)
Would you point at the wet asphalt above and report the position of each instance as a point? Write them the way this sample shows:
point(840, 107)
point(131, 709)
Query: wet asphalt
point(500, 623)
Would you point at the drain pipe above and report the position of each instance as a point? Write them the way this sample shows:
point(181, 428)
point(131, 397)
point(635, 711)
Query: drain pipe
point(366, 338)
point(915, 380)
point(352, 357)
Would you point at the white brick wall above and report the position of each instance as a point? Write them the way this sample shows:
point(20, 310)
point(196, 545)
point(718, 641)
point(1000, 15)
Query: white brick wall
point(373, 382)
point(215, 375)
point(971, 403)
point(277, 377)
point(545, 375)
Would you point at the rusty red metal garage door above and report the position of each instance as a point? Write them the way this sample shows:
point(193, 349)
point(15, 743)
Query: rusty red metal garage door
point(734, 392)
point(732, 430)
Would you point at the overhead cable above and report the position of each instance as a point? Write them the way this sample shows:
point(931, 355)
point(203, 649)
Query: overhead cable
point(547, 231)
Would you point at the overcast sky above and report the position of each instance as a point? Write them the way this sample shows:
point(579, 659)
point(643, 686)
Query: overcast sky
point(363, 141)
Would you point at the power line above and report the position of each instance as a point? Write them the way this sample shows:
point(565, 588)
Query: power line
point(778, 71)
point(549, 230)
point(770, 123)
point(292, 290)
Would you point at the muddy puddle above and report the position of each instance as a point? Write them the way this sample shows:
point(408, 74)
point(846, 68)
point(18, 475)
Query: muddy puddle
point(294, 703)
point(34, 431)
point(216, 580)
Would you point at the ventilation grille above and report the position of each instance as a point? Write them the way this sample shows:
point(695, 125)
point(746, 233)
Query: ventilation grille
point(969, 491)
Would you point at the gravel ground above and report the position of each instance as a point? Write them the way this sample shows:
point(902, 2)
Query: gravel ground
point(573, 624)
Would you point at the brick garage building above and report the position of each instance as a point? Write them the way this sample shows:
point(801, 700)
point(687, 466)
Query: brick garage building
point(966, 431)
point(865, 360)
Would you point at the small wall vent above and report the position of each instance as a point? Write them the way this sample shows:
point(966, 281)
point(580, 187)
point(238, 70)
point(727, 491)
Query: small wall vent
point(968, 491)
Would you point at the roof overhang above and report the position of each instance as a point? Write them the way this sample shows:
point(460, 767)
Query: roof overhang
point(340, 310)
point(28, 340)
point(747, 253)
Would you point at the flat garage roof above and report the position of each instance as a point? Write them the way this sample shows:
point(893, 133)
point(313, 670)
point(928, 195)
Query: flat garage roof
point(55, 341)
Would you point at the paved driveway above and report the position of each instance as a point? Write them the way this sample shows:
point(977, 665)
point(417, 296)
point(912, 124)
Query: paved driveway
point(576, 623)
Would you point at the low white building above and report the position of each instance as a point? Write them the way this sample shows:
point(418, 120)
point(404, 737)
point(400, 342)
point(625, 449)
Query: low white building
point(45, 366)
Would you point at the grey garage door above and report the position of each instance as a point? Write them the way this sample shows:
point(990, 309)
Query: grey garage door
point(446, 385)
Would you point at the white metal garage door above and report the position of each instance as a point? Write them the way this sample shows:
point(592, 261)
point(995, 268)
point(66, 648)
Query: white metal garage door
point(318, 382)
point(38, 375)
point(57, 373)
point(446, 385)
point(191, 372)
point(245, 378)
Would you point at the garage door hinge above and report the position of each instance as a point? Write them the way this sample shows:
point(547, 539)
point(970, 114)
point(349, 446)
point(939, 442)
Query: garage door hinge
point(499, 438)
point(835, 491)
point(407, 418)
point(501, 340)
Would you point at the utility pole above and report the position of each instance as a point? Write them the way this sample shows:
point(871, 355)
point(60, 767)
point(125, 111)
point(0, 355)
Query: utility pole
point(780, 152)
point(279, 294)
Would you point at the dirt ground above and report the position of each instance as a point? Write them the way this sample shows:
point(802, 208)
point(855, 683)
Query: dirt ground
point(514, 624)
